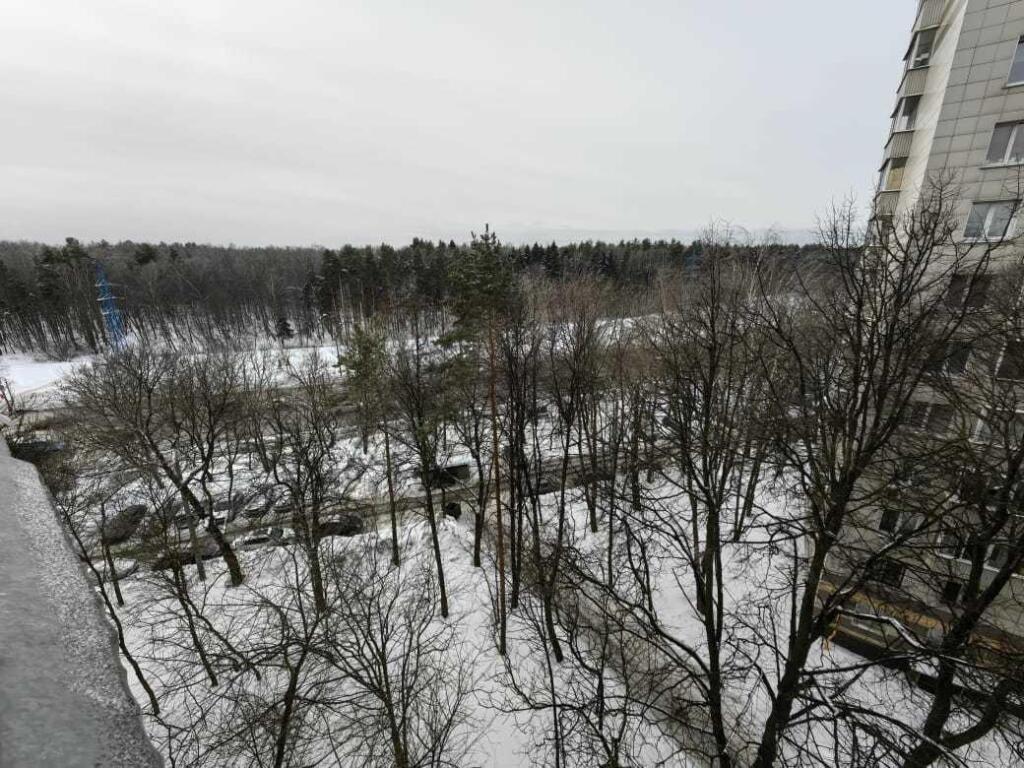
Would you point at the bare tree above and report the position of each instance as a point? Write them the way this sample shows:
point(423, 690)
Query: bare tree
point(366, 365)
point(76, 508)
point(401, 682)
point(956, 528)
point(857, 337)
point(571, 350)
point(162, 415)
point(711, 386)
point(296, 428)
point(522, 340)
point(419, 376)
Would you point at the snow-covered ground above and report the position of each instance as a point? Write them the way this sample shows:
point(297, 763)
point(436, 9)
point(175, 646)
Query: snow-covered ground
point(30, 375)
point(505, 722)
point(38, 376)
point(201, 722)
point(756, 591)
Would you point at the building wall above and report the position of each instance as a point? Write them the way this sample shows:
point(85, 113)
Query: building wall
point(965, 95)
point(932, 99)
point(978, 98)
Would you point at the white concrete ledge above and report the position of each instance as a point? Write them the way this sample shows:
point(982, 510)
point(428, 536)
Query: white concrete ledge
point(64, 700)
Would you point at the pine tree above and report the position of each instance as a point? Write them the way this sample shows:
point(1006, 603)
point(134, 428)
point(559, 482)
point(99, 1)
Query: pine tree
point(482, 294)
point(145, 254)
point(283, 329)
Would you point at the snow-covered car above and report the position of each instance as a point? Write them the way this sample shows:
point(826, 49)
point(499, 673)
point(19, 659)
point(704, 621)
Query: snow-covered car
point(344, 525)
point(207, 550)
point(256, 509)
point(272, 536)
point(122, 525)
point(182, 522)
point(283, 507)
point(123, 568)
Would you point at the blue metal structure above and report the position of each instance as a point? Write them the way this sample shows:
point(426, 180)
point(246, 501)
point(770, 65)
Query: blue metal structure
point(112, 319)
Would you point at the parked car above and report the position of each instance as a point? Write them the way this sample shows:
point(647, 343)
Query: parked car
point(548, 484)
point(345, 525)
point(122, 525)
point(451, 475)
point(207, 550)
point(283, 507)
point(226, 510)
point(35, 450)
point(168, 560)
point(256, 509)
point(123, 568)
point(272, 536)
point(183, 521)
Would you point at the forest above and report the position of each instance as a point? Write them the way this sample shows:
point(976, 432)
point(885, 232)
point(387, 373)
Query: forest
point(176, 294)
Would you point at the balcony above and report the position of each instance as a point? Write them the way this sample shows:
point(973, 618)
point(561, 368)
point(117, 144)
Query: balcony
point(930, 14)
point(885, 203)
point(899, 144)
point(913, 82)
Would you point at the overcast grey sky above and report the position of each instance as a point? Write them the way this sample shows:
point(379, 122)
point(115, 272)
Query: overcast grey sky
point(332, 121)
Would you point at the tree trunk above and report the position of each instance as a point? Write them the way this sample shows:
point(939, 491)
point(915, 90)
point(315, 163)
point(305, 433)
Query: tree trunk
point(438, 560)
point(395, 559)
point(496, 465)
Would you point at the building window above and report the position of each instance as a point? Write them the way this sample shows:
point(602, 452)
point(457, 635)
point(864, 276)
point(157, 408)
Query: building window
point(880, 230)
point(887, 572)
point(953, 546)
point(968, 290)
point(952, 360)
point(906, 114)
point(990, 220)
point(958, 355)
point(917, 417)
point(1007, 144)
point(1011, 365)
point(892, 174)
point(940, 419)
point(1017, 68)
point(890, 522)
point(1002, 425)
point(973, 488)
point(997, 556)
point(952, 591)
point(898, 522)
point(924, 41)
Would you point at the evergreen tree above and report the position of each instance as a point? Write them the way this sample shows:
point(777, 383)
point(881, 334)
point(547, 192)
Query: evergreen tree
point(145, 254)
point(283, 329)
point(482, 295)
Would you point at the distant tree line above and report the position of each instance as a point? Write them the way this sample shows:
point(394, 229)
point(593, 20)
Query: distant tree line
point(186, 294)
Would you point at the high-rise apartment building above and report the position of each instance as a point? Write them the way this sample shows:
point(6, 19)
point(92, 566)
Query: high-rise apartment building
point(959, 118)
point(959, 112)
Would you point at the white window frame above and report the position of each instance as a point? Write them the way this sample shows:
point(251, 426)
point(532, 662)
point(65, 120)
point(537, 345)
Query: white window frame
point(902, 115)
point(917, 59)
point(986, 225)
point(1005, 159)
point(990, 550)
point(946, 543)
point(1003, 354)
point(1017, 54)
